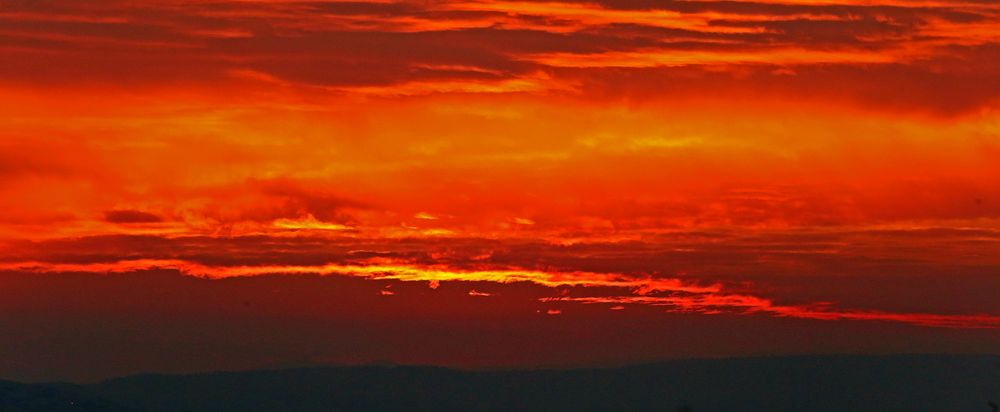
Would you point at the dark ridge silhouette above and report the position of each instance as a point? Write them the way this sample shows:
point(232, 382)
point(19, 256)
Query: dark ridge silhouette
point(18, 397)
point(816, 384)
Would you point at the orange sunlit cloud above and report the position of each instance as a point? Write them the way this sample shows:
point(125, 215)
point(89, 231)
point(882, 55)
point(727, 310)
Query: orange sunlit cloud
point(712, 299)
point(828, 163)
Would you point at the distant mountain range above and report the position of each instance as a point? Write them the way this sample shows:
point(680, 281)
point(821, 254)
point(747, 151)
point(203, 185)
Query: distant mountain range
point(815, 384)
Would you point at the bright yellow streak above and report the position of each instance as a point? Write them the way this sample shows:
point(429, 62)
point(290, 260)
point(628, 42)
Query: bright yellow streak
point(674, 294)
point(309, 222)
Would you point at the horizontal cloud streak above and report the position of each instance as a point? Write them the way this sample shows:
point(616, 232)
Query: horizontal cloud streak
point(483, 45)
point(674, 294)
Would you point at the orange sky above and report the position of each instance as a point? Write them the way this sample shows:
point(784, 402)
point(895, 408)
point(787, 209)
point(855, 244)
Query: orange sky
point(835, 163)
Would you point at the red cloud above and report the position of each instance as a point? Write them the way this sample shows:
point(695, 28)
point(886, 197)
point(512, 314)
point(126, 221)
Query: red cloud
point(131, 216)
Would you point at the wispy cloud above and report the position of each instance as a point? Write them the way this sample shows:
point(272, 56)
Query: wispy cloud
point(673, 294)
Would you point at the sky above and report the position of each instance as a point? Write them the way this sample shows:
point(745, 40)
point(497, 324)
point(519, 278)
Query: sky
point(232, 184)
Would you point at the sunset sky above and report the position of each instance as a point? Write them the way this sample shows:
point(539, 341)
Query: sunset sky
point(229, 184)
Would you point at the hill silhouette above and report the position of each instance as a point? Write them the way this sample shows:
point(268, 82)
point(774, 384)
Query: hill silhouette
point(822, 383)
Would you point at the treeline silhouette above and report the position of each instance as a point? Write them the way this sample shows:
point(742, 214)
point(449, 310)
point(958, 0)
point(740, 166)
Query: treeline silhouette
point(815, 384)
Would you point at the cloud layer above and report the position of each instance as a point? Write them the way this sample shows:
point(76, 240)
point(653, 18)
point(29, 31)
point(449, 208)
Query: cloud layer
point(557, 182)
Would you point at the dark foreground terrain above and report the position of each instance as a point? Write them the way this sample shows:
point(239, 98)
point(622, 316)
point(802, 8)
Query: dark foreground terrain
point(833, 383)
